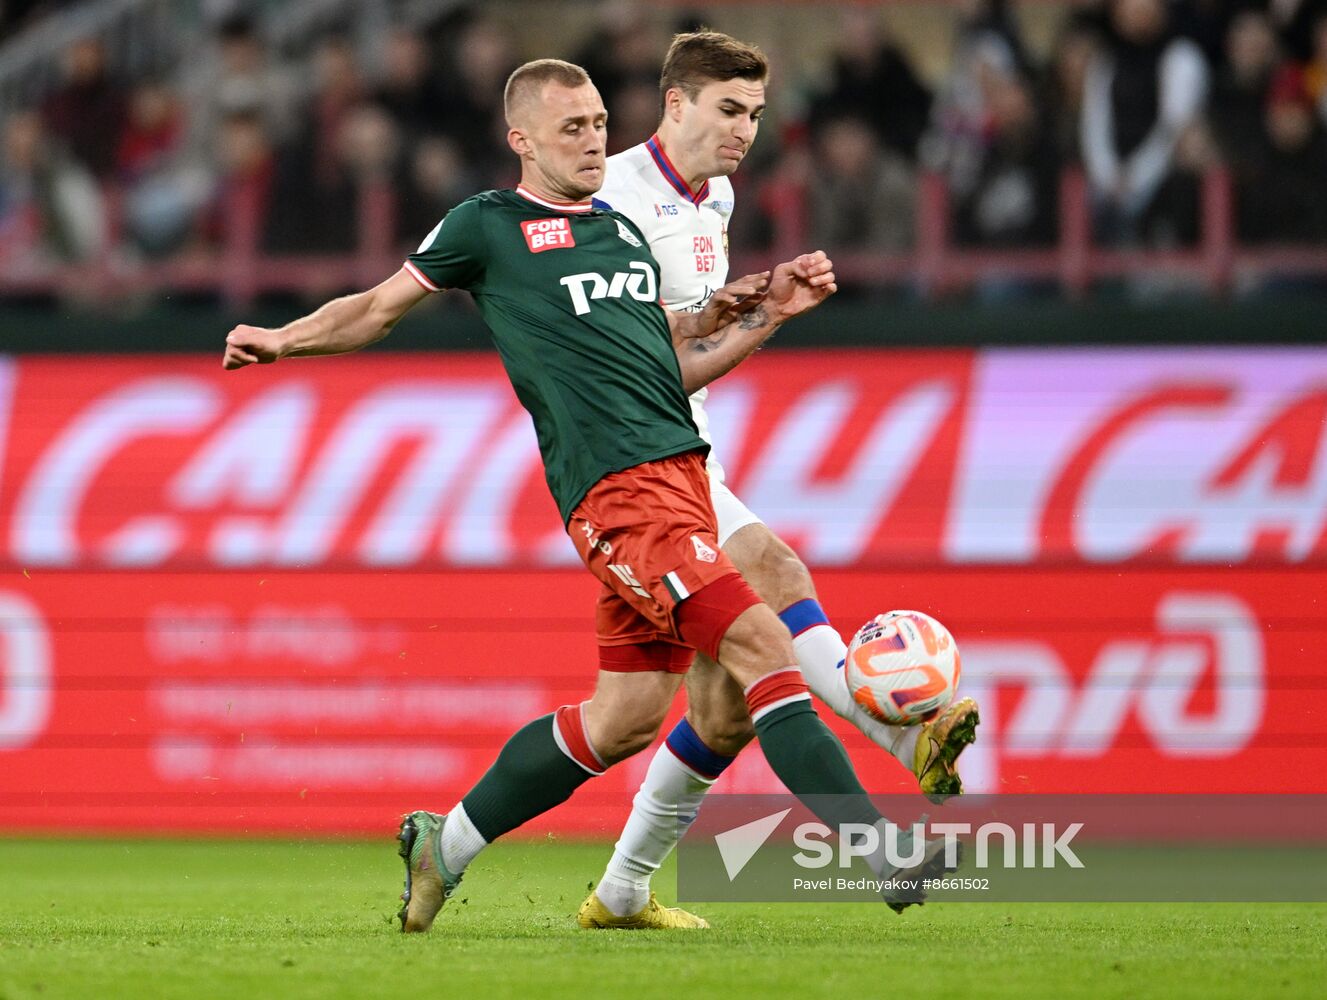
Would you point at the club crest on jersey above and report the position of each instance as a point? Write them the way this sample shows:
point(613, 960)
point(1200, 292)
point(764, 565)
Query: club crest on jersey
point(627, 235)
point(548, 234)
point(703, 552)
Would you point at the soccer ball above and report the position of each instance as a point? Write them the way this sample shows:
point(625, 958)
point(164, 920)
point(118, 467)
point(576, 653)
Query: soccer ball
point(902, 667)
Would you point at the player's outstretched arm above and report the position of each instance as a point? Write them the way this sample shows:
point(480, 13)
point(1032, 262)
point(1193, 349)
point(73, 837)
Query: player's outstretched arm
point(342, 325)
point(736, 321)
point(800, 285)
point(723, 307)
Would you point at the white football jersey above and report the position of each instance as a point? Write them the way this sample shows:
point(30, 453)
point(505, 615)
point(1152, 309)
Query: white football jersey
point(687, 232)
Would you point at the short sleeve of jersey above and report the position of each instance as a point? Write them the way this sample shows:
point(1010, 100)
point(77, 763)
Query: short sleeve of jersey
point(454, 254)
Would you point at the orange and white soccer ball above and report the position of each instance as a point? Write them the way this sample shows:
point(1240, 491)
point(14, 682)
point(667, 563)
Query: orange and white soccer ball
point(902, 667)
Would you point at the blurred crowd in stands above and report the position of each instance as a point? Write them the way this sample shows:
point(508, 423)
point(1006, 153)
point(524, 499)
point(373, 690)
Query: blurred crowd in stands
point(1144, 96)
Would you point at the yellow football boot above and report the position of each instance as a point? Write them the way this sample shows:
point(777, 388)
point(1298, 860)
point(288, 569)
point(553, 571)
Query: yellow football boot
point(938, 745)
point(594, 914)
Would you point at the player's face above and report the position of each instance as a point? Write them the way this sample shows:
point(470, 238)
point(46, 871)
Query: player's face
point(566, 141)
point(719, 126)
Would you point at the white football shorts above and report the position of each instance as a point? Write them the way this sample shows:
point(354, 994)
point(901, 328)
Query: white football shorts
point(732, 514)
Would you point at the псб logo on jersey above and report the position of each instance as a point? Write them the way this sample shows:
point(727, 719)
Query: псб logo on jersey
point(548, 234)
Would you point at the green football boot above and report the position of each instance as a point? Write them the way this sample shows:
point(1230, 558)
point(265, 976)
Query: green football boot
point(428, 883)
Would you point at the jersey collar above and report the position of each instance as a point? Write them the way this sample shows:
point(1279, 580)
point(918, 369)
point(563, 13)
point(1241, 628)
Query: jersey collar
point(671, 174)
point(557, 206)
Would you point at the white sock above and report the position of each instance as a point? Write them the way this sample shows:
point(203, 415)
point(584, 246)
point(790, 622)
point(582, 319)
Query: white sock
point(460, 840)
point(662, 811)
point(820, 652)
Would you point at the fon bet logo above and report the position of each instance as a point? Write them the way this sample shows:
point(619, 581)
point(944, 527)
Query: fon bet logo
point(548, 234)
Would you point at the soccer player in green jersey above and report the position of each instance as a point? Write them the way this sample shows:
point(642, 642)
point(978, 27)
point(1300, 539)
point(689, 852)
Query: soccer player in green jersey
point(570, 294)
point(675, 187)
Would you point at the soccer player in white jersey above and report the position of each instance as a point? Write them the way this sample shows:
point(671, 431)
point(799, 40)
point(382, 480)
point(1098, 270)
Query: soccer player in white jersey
point(675, 187)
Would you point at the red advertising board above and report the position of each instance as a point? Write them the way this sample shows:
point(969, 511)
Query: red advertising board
point(859, 459)
point(306, 598)
point(326, 702)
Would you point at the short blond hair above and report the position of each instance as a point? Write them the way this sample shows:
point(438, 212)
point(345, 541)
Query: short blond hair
point(527, 82)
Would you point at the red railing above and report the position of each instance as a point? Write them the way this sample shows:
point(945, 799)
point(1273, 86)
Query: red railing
point(937, 266)
point(239, 270)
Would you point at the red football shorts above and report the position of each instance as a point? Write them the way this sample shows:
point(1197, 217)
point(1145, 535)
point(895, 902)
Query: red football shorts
point(649, 535)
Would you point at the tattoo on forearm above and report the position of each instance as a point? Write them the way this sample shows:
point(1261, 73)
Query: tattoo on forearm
point(755, 318)
point(708, 343)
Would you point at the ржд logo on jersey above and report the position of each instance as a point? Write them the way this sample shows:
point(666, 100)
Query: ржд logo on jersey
point(548, 234)
point(639, 283)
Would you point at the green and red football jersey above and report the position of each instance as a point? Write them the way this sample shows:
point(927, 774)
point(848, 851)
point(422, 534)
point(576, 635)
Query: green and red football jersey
point(571, 296)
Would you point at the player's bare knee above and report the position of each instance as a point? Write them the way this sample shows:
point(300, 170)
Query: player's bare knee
point(716, 708)
point(756, 644)
point(725, 733)
point(627, 709)
point(630, 745)
point(772, 643)
point(770, 565)
point(794, 579)
point(627, 736)
point(767, 646)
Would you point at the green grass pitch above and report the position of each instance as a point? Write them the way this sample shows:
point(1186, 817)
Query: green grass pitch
point(163, 918)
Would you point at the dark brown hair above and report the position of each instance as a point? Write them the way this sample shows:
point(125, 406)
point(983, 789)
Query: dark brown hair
point(528, 81)
point(700, 57)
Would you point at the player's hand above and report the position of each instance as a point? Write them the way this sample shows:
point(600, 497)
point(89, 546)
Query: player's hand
point(731, 301)
point(801, 284)
point(252, 345)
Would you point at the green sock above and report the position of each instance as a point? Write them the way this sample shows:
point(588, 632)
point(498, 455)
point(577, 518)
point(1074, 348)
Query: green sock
point(812, 763)
point(530, 776)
